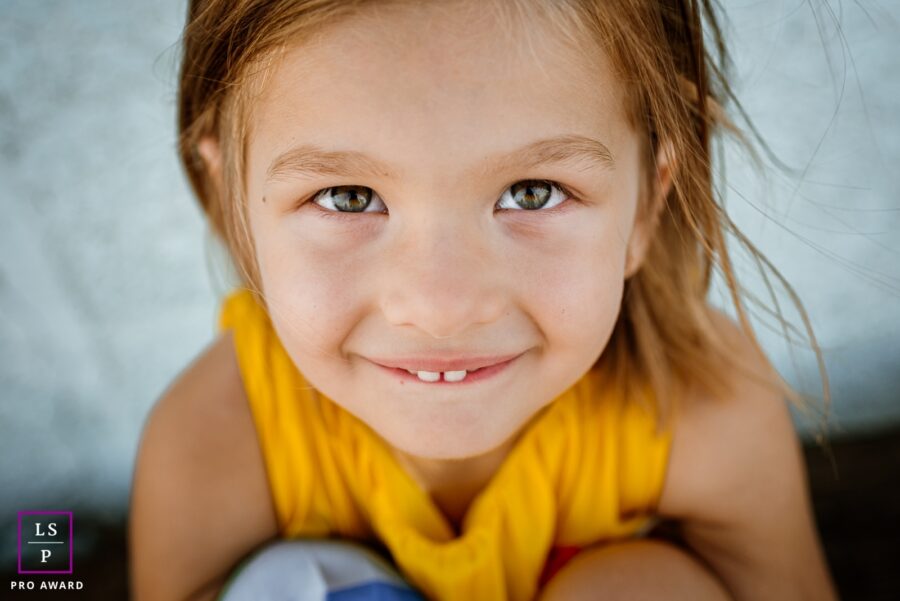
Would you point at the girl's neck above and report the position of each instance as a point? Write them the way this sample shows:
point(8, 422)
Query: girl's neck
point(454, 483)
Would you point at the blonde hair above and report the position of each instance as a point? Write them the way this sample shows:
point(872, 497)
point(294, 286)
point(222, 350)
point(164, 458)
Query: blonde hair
point(665, 335)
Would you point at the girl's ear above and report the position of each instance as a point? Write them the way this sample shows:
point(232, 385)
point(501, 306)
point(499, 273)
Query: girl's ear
point(209, 150)
point(647, 219)
point(211, 153)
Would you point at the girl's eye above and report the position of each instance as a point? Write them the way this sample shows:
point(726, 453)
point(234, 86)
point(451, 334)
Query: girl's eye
point(348, 199)
point(529, 195)
point(532, 194)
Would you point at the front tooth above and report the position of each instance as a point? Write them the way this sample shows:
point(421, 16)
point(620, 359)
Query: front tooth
point(454, 376)
point(429, 376)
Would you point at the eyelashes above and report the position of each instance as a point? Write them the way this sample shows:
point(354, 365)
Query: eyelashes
point(348, 199)
point(534, 195)
point(531, 195)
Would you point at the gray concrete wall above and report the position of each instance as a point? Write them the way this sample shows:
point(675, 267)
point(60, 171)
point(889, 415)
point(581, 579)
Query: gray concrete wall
point(105, 291)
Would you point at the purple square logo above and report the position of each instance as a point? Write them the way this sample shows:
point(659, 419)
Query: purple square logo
point(45, 542)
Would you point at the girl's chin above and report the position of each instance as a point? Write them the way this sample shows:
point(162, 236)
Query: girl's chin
point(448, 446)
point(437, 450)
point(433, 453)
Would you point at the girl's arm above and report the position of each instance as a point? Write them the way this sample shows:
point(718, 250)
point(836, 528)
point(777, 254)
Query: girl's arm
point(200, 501)
point(738, 485)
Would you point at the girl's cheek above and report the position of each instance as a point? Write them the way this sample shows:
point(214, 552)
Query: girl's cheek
point(579, 285)
point(311, 279)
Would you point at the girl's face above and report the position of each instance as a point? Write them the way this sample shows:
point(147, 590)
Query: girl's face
point(441, 183)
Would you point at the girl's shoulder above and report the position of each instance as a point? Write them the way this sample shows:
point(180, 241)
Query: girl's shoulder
point(720, 442)
point(199, 496)
point(737, 482)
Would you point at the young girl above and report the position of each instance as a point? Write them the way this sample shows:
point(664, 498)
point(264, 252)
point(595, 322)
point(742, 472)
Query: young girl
point(472, 339)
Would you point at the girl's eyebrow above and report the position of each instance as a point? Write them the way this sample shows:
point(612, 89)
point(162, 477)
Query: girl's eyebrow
point(308, 160)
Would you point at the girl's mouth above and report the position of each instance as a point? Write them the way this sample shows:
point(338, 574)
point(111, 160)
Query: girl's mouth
point(449, 378)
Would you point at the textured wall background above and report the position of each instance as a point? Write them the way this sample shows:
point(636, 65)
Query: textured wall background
point(105, 287)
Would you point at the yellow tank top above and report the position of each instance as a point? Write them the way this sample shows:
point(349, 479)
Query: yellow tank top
point(588, 468)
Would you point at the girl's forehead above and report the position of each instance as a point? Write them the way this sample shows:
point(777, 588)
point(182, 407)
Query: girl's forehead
point(438, 74)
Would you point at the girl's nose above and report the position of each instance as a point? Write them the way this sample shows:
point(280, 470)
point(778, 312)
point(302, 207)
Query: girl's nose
point(442, 281)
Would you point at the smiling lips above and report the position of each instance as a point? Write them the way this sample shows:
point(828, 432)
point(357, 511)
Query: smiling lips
point(447, 370)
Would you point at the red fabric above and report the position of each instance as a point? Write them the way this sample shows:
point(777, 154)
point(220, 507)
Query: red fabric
point(556, 559)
